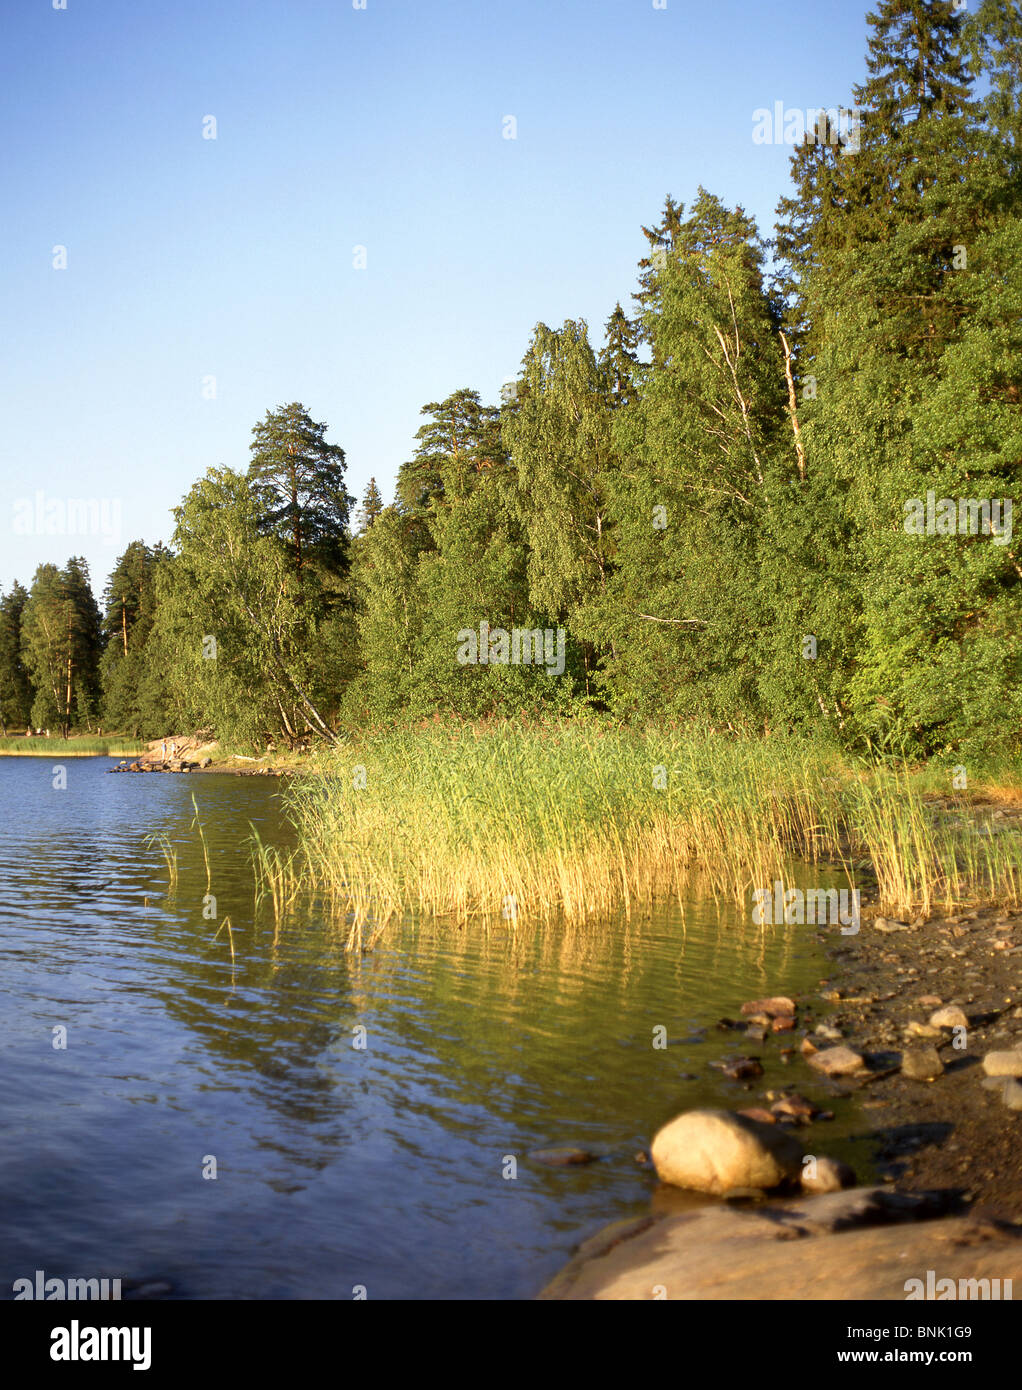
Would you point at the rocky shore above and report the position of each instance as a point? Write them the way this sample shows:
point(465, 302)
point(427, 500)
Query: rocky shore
point(195, 753)
point(925, 1022)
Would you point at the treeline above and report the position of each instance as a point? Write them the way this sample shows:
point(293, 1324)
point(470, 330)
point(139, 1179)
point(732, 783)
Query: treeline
point(777, 495)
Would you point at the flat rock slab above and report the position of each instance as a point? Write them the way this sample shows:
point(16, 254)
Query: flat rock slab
point(862, 1244)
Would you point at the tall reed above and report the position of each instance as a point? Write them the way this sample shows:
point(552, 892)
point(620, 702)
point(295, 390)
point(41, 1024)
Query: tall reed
point(578, 821)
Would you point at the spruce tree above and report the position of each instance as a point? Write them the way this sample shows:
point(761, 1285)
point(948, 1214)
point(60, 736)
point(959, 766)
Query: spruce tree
point(618, 358)
point(372, 504)
point(15, 690)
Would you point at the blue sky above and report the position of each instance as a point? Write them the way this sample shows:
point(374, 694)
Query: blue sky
point(190, 258)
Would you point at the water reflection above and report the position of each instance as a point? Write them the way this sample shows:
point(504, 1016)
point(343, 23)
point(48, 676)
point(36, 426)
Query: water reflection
point(338, 1165)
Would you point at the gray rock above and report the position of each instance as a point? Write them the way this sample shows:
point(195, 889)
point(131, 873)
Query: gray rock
point(716, 1151)
point(922, 1064)
point(950, 1016)
point(828, 1032)
point(831, 1175)
point(1003, 1063)
point(922, 1030)
point(837, 1061)
point(1007, 1089)
point(859, 1245)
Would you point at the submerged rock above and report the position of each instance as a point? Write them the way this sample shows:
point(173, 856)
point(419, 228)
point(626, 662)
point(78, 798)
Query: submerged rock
point(778, 1004)
point(716, 1151)
point(566, 1156)
point(742, 1068)
point(797, 1107)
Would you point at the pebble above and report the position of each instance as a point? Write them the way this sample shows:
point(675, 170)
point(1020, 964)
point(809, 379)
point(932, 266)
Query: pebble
point(1009, 1090)
point(837, 1061)
point(922, 1064)
point(831, 1176)
point(922, 1030)
point(950, 1016)
point(796, 1106)
point(1003, 1063)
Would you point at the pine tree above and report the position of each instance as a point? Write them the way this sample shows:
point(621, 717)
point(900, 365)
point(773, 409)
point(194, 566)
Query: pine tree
point(461, 438)
point(298, 479)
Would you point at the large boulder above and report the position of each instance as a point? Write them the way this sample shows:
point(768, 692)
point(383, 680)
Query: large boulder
point(716, 1151)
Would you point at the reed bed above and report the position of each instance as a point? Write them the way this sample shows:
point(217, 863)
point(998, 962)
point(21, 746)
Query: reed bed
point(75, 747)
point(575, 822)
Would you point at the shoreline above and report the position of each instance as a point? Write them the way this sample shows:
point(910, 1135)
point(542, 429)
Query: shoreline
point(946, 1147)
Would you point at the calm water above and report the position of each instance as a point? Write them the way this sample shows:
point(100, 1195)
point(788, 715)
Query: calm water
point(337, 1167)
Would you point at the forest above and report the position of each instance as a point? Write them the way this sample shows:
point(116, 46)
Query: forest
point(775, 495)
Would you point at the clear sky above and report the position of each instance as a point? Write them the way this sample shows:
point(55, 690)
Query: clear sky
point(233, 258)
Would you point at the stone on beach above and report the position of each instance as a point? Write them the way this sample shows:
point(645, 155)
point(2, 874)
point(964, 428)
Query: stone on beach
point(716, 1151)
point(1003, 1063)
point(922, 1064)
point(950, 1016)
point(827, 1175)
point(837, 1061)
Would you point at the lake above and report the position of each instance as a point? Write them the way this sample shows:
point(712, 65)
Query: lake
point(337, 1166)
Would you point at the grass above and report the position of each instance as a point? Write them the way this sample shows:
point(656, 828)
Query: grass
point(169, 852)
point(74, 747)
point(572, 822)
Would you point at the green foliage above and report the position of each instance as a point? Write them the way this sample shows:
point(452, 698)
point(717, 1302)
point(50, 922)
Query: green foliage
point(298, 479)
point(60, 643)
point(15, 689)
point(716, 508)
point(239, 629)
